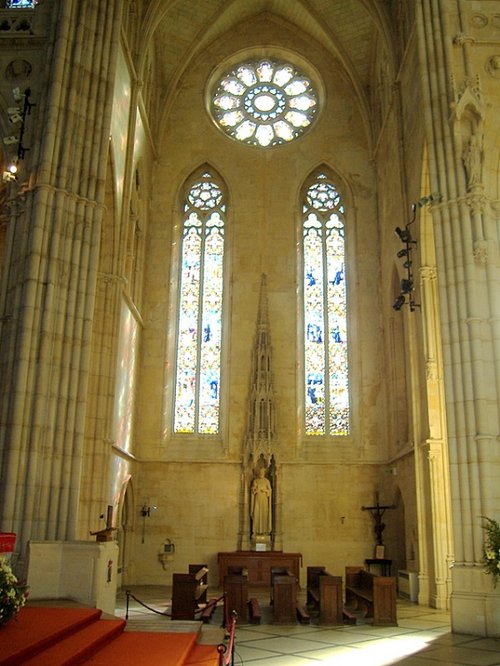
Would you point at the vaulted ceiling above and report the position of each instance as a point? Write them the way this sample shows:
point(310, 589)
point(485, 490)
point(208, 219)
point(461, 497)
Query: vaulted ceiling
point(348, 29)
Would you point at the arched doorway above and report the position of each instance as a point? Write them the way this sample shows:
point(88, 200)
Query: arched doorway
point(125, 521)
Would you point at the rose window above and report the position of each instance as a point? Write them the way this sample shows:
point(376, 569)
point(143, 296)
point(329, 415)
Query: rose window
point(264, 103)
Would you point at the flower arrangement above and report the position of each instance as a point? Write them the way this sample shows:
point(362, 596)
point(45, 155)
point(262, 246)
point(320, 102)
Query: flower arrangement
point(13, 594)
point(491, 548)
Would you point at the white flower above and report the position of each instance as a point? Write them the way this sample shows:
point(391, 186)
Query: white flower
point(12, 593)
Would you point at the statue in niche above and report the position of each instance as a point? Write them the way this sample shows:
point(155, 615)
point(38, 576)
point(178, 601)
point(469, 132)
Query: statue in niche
point(261, 503)
point(471, 157)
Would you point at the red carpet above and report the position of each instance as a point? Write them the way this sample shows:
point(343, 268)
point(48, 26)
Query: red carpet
point(136, 647)
point(202, 655)
point(69, 636)
point(36, 628)
point(78, 647)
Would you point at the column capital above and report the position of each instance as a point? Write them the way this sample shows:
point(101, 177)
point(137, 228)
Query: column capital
point(480, 252)
point(462, 39)
point(111, 278)
point(428, 273)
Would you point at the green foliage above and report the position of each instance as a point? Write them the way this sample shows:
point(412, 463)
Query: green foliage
point(13, 594)
point(491, 548)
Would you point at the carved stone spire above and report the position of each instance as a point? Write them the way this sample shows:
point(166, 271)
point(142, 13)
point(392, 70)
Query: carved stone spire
point(261, 422)
point(260, 441)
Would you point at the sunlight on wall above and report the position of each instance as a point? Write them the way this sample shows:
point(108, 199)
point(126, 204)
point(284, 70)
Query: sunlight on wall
point(125, 379)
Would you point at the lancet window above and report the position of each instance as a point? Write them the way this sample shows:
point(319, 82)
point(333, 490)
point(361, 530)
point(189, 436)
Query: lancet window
point(326, 371)
point(200, 308)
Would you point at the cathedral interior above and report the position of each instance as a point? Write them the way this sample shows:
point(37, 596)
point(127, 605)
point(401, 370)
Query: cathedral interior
point(249, 292)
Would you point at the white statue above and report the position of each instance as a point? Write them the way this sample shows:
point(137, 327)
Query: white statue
point(260, 509)
point(471, 157)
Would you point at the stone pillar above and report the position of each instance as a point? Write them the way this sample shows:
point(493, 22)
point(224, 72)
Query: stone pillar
point(467, 261)
point(49, 295)
point(433, 490)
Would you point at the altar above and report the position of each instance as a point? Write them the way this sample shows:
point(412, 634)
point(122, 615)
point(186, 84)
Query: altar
point(258, 564)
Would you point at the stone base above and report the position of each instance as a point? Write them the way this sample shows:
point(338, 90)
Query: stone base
point(261, 542)
point(475, 603)
point(81, 570)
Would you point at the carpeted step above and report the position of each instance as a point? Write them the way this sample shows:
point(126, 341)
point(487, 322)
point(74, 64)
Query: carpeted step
point(80, 645)
point(203, 655)
point(35, 629)
point(147, 647)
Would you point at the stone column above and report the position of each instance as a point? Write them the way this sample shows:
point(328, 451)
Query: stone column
point(50, 291)
point(454, 113)
point(432, 455)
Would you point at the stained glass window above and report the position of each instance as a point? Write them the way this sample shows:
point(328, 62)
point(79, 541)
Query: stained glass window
point(326, 386)
point(20, 4)
point(199, 338)
point(264, 103)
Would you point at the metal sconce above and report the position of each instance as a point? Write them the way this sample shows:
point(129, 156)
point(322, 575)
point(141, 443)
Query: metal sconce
point(404, 235)
point(17, 116)
point(146, 513)
point(406, 285)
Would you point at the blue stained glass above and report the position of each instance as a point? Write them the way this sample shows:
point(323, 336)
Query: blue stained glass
point(211, 339)
point(199, 342)
point(188, 332)
point(20, 4)
point(325, 312)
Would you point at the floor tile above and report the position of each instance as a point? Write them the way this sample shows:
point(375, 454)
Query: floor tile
point(422, 638)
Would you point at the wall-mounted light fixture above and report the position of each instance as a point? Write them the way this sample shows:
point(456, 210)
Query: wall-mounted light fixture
point(17, 117)
point(146, 510)
point(404, 235)
point(146, 513)
point(10, 173)
point(406, 284)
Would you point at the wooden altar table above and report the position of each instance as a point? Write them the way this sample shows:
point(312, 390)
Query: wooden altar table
point(258, 564)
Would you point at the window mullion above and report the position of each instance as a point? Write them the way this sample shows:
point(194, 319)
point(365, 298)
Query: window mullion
point(326, 324)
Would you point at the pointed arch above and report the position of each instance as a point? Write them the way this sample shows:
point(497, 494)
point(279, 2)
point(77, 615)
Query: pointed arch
point(326, 403)
point(198, 345)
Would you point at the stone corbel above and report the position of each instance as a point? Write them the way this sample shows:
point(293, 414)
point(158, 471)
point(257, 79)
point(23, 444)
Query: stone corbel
point(461, 39)
point(492, 66)
point(477, 202)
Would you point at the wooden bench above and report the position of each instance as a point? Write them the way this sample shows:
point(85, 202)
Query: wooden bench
point(203, 579)
point(374, 595)
point(284, 597)
point(273, 572)
point(254, 611)
point(236, 591)
point(208, 611)
point(189, 590)
point(324, 593)
point(302, 615)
